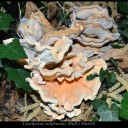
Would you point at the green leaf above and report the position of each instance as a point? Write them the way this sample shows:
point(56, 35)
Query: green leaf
point(104, 97)
point(108, 77)
point(116, 46)
point(19, 76)
point(91, 77)
point(125, 32)
point(112, 77)
point(1, 65)
point(103, 74)
point(124, 107)
point(10, 63)
point(123, 6)
point(95, 119)
point(12, 51)
point(5, 21)
point(107, 114)
point(124, 22)
point(97, 103)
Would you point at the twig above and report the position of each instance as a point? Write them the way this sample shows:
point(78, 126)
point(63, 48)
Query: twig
point(109, 101)
point(34, 98)
point(123, 74)
point(60, 5)
point(25, 103)
point(41, 8)
point(59, 24)
point(122, 81)
point(33, 114)
point(19, 11)
point(101, 94)
point(44, 3)
point(119, 90)
point(78, 3)
point(30, 107)
point(7, 113)
point(113, 95)
point(114, 87)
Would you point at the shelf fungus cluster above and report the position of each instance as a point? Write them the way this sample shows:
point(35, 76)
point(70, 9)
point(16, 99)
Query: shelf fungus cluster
point(97, 25)
point(59, 59)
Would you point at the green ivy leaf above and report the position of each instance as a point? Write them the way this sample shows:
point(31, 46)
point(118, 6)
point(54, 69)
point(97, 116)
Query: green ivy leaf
point(112, 77)
point(123, 6)
point(125, 32)
point(107, 114)
point(103, 73)
point(95, 119)
point(91, 77)
point(97, 103)
point(19, 76)
point(5, 21)
point(108, 77)
point(1, 65)
point(124, 107)
point(12, 51)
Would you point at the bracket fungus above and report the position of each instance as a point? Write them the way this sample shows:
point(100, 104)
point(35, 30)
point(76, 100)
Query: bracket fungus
point(97, 24)
point(63, 97)
point(59, 65)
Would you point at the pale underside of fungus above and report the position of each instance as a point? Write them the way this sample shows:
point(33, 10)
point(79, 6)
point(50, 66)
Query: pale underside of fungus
point(63, 97)
point(59, 67)
point(97, 24)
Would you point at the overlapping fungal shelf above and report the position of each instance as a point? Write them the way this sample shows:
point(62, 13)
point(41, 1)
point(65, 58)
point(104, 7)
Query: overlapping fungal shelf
point(59, 66)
